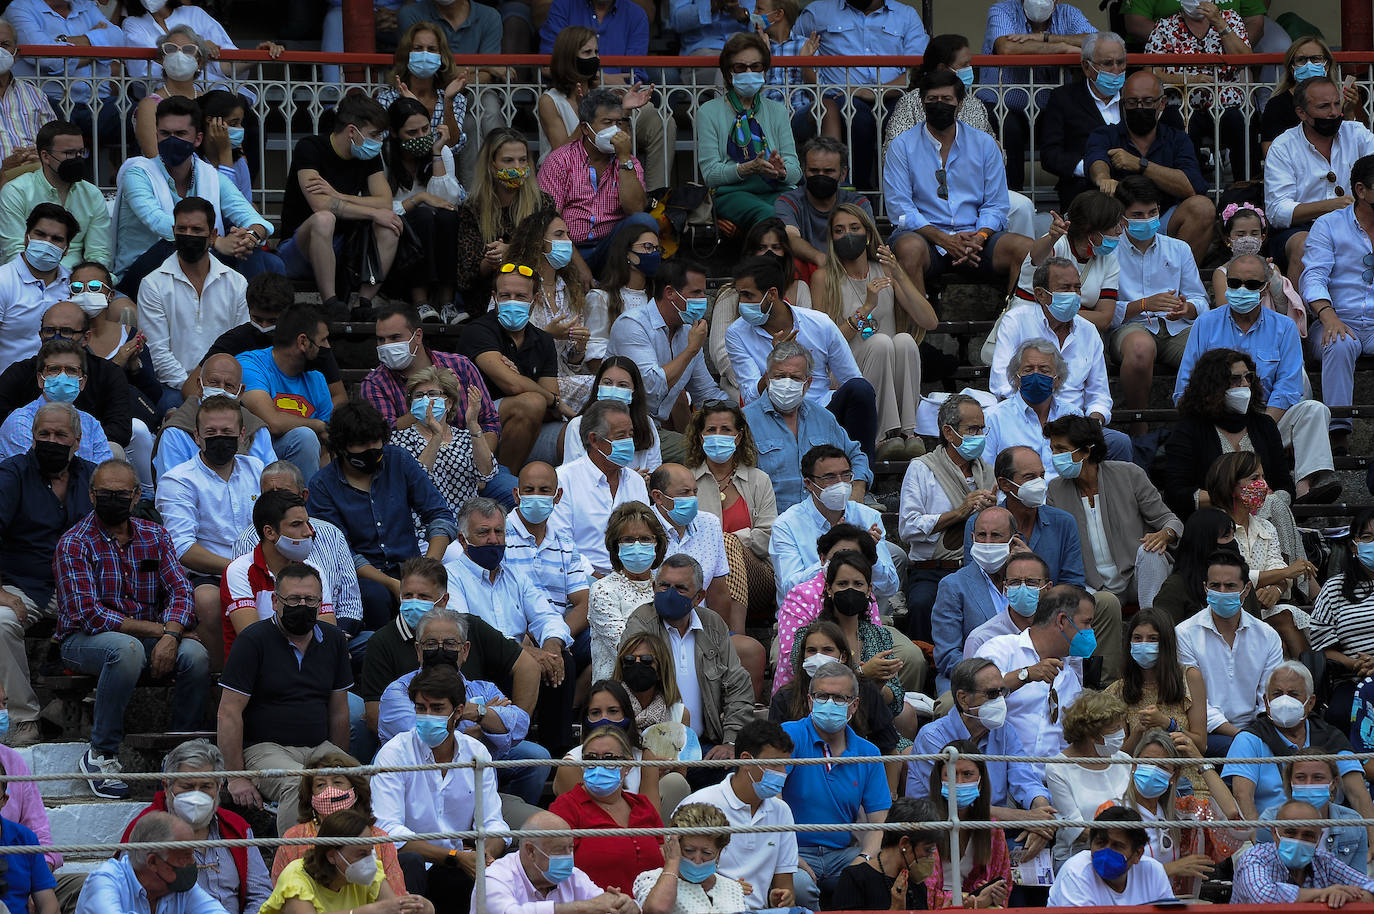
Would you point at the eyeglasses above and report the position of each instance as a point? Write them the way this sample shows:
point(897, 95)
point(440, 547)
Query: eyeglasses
point(1133, 103)
point(831, 696)
point(648, 247)
point(517, 268)
point(631, 659)
point(66, 333)
point(942, 184)
point(829, 479)
point(1035, 583)
point(607, 757)
point(972, 430)
point(312, 602)
point(80, 152)
point(433, 644)
point(636, 541)
point(1244, 378)
point(1254, 285)
point(114, 493)
point(172, 47)
point(54, 371)
point(755, 67)
point(1302, 59)
point(993, 694)
point(93, 285)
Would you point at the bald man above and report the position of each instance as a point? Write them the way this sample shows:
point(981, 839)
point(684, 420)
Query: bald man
point(542, 877)
point(219, 374)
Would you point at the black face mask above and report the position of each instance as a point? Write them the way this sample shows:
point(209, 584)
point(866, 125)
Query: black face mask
point(1140, 121)
point(191, 248)
point(588, 66)
point(185, 879)
point(220, 449)
point(112, 510)
point(297, 620)
point(1327, 126)
point(368, 461)
point(73, 170)
point(849, 602)
point(850, 246)
point(940, 115)
point(438, 656)
point(53, 457)
point(822, 187)
point(640, 677)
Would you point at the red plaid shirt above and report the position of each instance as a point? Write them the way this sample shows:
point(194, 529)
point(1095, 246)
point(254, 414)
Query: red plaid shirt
point(386, 390)
point(587, 199)
point(101, 583)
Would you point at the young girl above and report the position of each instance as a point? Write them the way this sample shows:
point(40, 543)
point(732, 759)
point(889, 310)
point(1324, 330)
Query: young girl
point(985, 865)
point(1245, 230)
point(631, 261)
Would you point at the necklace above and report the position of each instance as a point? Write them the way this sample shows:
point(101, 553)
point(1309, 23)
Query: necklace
point(722, 485)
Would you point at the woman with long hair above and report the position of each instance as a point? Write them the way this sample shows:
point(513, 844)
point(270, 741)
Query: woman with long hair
point(503, 194)
point(1343, 619)
point(859, 287)
point(618, 378)
point(1306, 57)
point(423, 69)
point(1159, 692)
point(632, 259)
point(944, 52)
point(988, 881)
point(574, 70)
point(226, 115)
point(645, 665)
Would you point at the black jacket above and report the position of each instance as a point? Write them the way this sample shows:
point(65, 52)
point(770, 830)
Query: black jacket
point(1193, 447)
point(1067, 119)
point(106, 396)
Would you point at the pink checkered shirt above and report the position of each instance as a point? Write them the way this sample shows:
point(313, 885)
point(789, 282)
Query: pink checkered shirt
point(588, 198)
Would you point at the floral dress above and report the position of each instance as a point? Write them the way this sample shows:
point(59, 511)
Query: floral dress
point(574, 381)
point(1171, 36)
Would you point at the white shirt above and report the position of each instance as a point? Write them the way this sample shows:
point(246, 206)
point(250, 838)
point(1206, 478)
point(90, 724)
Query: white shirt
point(1077, 792)
point(23, 299)
point(180, 325)
point(649, 459)
point(752, 858)
point(1085, 388)
point(923, 500)
point(415, 802)
point(1235, 674)
point(684, 648)
point(703, 540)
point(1100, 546)
point(1004, 624)
point(200, 508)
point(1028, 708)
point(1166, 264)
point(749, 347)
point(1013, 422)
point(587, 505)
point(512, 603)
point(1110, 111)
point(1295, 172)
point(1076, 885)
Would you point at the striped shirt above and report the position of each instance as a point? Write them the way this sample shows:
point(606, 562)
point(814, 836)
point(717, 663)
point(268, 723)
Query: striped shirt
point(23, 109)
point(330, 554)
point(555, 565)
point(1338, 623)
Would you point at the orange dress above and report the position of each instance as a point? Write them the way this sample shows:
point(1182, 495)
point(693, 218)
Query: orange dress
point(288, 852)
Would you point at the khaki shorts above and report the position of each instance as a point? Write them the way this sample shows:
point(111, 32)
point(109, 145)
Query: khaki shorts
point(1168, 349)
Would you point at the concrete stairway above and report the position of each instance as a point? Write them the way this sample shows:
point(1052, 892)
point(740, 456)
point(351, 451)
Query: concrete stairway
point(76, 816)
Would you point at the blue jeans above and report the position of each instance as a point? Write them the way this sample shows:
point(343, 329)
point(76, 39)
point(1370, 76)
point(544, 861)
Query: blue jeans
point(362, 742)
point(921, 587)
point(525, 783)
point(828, 862)
point(594, 252)
point(300, 446)
point(855, 406)
point(118, 660)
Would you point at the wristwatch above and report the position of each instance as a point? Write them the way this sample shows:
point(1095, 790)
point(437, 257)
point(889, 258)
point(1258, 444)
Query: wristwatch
point(451, 859)
point(627, 165)
point(1024, 674)
point(1144, 164)
point(1207, 766)
point(176, 635)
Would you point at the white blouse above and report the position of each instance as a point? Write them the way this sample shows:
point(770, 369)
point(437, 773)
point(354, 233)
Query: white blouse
point(612, 600)
point(725, 897)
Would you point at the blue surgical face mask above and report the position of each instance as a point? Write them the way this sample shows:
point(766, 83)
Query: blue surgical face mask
point(431, 728)
point(423, 63)
point(618, 394)
point(1296, 854)
point(721, 448)
point(559, 256)
point(1225, 605)
point(1316, 794)
point(690, 870)
point(601, 781)
point(1107, 245)
point(1145, 654)
point(560, 867)
point(1023, 599)
point(829, 716)
point(1242, 301)
point(964, 794)
point(1308, 70)
point(684, 510)
point(747, 84)
point(770, 785)
point(536, 508)
point(236, 137)
point(622, 452)
point(413, 610)
point(1142, 229)
point(752, 313)
point(1150, 781)
point(1065, 465)
point(62, 388)
point(1036, 388)
point(1064, 305)
point(1365, 553)
point(42, 255)
point(1109, 83)
point(434, 405)
point(965, 75)
point(367, 149)
point(513, 314)
point(1083, 643)
point(970, 447)
point(636, 558)
point(695, 309)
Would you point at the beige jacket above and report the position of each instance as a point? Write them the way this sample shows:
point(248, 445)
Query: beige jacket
point(757, 491)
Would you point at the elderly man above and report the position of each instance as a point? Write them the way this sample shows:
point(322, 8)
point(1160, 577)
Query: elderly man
point(541, 877)
point(958, 220)
point(834, 794)
point(1038, 680)
point(43, 493)
point(1306, 168)
point(236, 877)
point(785, 425)
point(284, 693)
point(1271, 339)
point(715, 688)
point(220, 375)
point(941, 490)
point(976, 592)
point(510, 601)
point(1054, 317)
point(125, 607)
point(1285, 726)
point(1334, 287)
point(63, 177)
point(598, 482)
point(1036, 370)
point(408, 803)
point(25, 108)
point(1295, 867)
point(1140, 145)
point(61, 373)
point(144, 882)
point(979, 714)
point(1075, 109)
point(441, 638)
point(1236, 653)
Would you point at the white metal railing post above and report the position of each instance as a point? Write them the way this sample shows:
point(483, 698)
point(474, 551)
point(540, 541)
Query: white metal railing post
point(952, 785)
point(479, 851)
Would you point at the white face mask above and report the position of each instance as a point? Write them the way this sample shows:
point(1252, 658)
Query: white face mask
point(603, 139)
point(1191, 8)
point(1286, 711)
point(396, 356)
point(91, 303)
point(1112, 743)
point(1032, 492)
point(993, 714)
point(208, 392)
point(786, 393)
point(1038, 10)
point(1238, 400)
point(180, 65)
point(6, 61)
point(834, 497)
point(362, 872)
point(154, 6)
point(991, 557)
point(195, 807)
point(816, 661)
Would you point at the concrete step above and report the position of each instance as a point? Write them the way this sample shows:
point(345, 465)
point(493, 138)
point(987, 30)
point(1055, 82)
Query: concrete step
point(57, 758)
point(91, 821)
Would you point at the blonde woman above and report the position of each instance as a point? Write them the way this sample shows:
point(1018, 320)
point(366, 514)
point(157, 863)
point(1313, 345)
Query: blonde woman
point(645, 666)
point(1095, 729)
point(688, 883)
point(860, 287)
point(424, 70)
point(459, 463)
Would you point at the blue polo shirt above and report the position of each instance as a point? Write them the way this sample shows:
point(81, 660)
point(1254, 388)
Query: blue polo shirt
point(28, 873)
point(1171, 148)
point(1268, 779)
point(827, 794)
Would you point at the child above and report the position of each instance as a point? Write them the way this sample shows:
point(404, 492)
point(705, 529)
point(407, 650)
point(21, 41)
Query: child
point(1244, 231)
point(773, 19)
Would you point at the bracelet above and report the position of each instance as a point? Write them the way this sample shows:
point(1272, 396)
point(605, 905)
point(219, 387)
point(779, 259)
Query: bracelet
point(1321, 311)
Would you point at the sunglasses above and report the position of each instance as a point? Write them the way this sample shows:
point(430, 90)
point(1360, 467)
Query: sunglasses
point(1254, 285)
point(519, 268)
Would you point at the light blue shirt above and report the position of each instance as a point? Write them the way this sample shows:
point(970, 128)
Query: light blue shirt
point(112, 886)
point(554, 565)
point(702, 30)
point(1336, 238)
point(1019, 783)
point(16, 434)
point(397, 714)
point(780, 451)
point(792, 548)
point(175, 447)
point(641, 335)
point(1008, 17)
point(143, 219)
point(892, 29)
point(1167, 264)
point(35, 22)
point(1272, 341)
point(748, 347)
point(512, 604)
point(974, 175)
point(1347, 843)
point(1268, 779)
